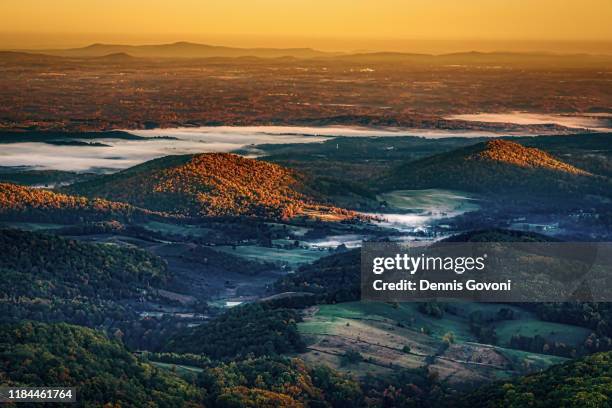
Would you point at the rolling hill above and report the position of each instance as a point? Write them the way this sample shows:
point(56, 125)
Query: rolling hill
point(46, 277)
point(496, 166)
point(212, 184)
point(104, 372)
point(256, 329)
point(334, 278)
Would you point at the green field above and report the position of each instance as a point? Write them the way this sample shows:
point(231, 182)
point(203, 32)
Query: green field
point(181, 370)
point(432, 200)
point(178, 229)
point(534, 361)
point(557, 332)
point(289, 257)
point(405, 314)
point(30, 226)
point(380, 332)
point(456, 321)
point(293, 229)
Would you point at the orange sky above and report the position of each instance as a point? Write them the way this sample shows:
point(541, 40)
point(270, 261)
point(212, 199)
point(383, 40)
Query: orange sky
point(327, 24)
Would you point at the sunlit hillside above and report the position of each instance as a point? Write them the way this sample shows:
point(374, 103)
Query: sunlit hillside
point(211, 185)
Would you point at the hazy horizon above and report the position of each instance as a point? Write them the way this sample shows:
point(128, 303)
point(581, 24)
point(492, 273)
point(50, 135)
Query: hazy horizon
point(38, 42)
point(570, 26)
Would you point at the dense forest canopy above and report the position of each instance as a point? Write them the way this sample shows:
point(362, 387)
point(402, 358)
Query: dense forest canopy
point(53, 279)
point(102, 370)
point(586, 382)
point(255, 329)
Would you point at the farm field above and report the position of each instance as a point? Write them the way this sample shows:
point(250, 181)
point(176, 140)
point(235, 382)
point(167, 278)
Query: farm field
point(31, 226)
point(177, 229)
point(531, 327)
point(388, 337)
point(178, 368)
point(431, 200)
point(289, 257)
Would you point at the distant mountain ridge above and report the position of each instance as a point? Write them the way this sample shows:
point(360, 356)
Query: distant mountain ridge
point(183, 49)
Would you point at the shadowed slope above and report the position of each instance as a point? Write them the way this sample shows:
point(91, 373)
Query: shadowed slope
point(496, 166)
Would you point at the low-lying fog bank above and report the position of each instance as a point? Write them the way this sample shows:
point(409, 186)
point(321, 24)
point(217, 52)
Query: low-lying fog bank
point(108, 154)
point(593, 122)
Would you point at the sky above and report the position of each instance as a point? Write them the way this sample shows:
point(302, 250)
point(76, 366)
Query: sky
point(402, 25)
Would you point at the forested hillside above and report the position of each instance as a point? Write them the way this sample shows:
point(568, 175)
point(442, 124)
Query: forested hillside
point(278, 382)
point(48, 278)
point(586, 382)
point(494, 167)
point(24, 203)
point(255, 329)
point(212, 184)
point(103, 371)
point(334, 278)
point(106, 374)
